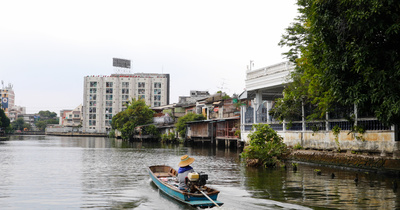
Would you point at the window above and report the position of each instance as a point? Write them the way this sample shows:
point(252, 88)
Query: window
point(141, 91)
point(142, 97)
point(157, 104)
point(108, 110)
point(92, 116)
point(157, 91)
point(109, 103)
point(92, 103)
point(157, 98)
point(92, 97)
point(109, 97)
point(108, 116)
point(141, 84)
point(108, 122)
point(109, 90)
point(92, 110)
point(93, 84)
point(125, 91)
point(125, 84)
point(125, 97)
point(93, 90)
point(109, 84)
point(92, 122)
point(157, 85)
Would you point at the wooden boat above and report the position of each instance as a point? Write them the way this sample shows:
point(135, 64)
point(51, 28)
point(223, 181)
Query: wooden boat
point(165, 179)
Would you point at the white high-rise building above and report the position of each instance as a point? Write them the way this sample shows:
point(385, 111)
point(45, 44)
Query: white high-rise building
point(105, 96)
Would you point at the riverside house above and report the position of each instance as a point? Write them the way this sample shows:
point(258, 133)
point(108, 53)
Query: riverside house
point(264, 85)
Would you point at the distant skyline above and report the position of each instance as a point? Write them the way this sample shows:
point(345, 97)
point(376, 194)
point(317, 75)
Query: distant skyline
point(48, 47)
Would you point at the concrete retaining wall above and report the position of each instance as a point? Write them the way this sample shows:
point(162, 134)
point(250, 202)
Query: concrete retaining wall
point(372, 141)
point(363, 161)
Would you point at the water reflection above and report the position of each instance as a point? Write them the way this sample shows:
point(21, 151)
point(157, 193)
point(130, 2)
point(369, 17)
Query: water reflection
point(307, 188)
point(50, 172)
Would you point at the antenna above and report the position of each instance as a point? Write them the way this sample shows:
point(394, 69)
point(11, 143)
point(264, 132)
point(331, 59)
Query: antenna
point(251, 65)
point(222, 85)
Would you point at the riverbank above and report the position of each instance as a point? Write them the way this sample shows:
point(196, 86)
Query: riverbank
point(360, 161)
point(76, 134)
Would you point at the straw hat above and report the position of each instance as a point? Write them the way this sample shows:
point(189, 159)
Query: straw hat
point(185, 161)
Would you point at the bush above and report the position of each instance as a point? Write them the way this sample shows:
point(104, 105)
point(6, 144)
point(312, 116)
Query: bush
point(266, 146)
point(168, 137)
point(111, 134)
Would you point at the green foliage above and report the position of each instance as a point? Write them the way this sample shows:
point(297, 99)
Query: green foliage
point(181, 124)
point(336, 130)
point(41, 125)
point(47, 115)
point(297, 146)
point(4, 120)
point(168, 137)
point(359, 132)
point(151, 130)
point(136, 114)
point(45, 118)
point(237, 133)
point(346, 52)
point(224, 95)
point(111, 134)
point(18, 124)
point(265, 145)
point(288, 107)
point(356, 130)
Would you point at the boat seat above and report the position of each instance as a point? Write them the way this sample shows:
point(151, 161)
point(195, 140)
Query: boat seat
point(162, 174)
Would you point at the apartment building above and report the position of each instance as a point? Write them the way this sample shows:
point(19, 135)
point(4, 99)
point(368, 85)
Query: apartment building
point(15, 112)
point(105, 96)
point(71, 118)
point(7, 97)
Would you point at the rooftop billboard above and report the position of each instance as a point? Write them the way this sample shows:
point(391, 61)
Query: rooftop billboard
point(123, 63)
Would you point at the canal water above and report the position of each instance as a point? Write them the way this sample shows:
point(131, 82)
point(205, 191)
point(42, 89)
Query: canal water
point(50, 172)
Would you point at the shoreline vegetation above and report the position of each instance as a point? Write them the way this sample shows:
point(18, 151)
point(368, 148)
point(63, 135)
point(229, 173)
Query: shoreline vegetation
point(266, 148)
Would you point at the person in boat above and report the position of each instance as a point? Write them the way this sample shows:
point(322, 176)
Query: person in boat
point(184, 170)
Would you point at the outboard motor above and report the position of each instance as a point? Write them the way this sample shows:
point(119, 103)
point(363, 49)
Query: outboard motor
point(196, 179)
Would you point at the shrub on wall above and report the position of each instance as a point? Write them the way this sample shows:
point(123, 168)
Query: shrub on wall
point(266, 147)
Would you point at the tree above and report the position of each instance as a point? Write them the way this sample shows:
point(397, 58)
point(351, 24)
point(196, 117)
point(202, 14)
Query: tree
point(347, 52)
point(45, 118)
point(18, 124)
point(181, 124)
point(136, 114)
point(47, 114)
point(4, 120)
point(41, 125)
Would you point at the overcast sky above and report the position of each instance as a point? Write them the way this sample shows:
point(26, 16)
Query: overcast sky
point(48, 47)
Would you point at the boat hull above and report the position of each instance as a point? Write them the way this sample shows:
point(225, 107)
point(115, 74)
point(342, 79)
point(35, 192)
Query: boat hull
point(159, 174)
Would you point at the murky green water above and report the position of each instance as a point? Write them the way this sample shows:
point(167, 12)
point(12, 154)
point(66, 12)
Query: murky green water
point(48, 172)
